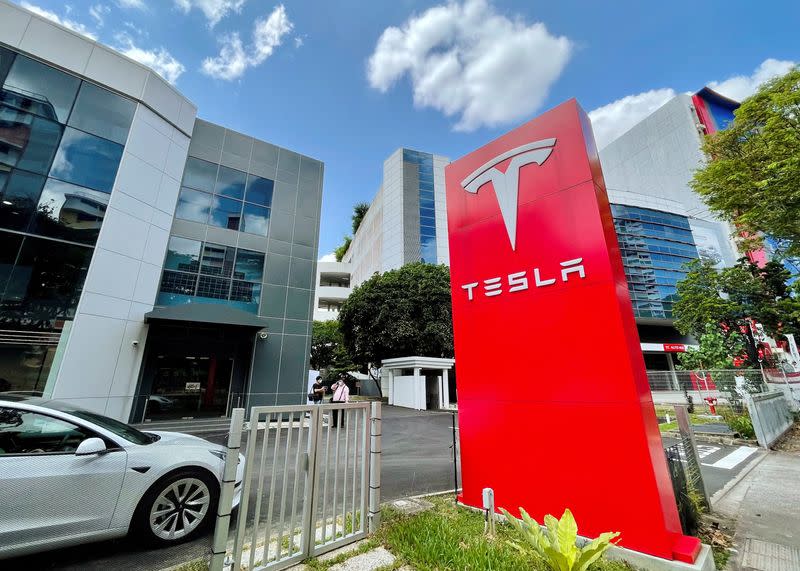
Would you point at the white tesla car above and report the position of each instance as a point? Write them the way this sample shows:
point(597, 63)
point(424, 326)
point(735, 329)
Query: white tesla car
point(70, 476)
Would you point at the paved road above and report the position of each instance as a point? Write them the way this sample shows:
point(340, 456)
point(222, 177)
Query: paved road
point(417, 459)
point(720, 463)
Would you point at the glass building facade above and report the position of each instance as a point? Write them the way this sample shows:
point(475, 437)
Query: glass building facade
point(224, 197)
point(197, 271)
point(655, 248)
point(427, 211)
point(61, 142)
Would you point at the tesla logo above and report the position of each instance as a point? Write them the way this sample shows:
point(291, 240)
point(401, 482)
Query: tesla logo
point(518, 281)
point(506, 185)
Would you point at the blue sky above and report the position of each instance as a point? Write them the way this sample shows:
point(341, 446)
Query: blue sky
point(349, 81)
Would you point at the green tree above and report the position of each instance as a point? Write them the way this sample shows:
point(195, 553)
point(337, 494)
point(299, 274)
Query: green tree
point(399, 313)
point(700, 300)
point(724, 299)
point(752, 179)
point(716, 350)
point(359, 211)
point(328, 351)
point(342, 250)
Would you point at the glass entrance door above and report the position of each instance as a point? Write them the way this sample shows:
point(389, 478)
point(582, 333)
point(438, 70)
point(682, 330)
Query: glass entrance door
point(189, 387)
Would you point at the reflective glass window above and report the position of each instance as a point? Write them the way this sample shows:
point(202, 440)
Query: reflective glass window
point(183, 254)
point(27, 141)
point(215, 288)
point(193, 205)
point(6, 59)
point(246, 295)
point(19, 194)
point(255, 219)
point(70, 212)
point(9, 248)
point(225, 213)
point(47, 91)
point(200, 174)
point(428, 249)
point(217, 260)
point(178, 283)
point(249, 266)
point(46, 283)
point(230, 182)
point(259, 190)
point(427, 231)
point(102, 113)
point(86, 160)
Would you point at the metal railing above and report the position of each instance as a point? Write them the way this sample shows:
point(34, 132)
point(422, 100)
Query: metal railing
point(713, 382)
point(312, 475)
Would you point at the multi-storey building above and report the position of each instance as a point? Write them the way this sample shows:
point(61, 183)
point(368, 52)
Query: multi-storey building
point(407, 219)
point(661, 222)
point(151, 264)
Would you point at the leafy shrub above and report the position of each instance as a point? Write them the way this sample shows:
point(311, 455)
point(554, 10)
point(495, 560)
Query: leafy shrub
point(557, 544)
point(740, 423)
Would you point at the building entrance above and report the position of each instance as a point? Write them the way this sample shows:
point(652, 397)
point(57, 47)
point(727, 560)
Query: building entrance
point(190, 386)
point(190, 370)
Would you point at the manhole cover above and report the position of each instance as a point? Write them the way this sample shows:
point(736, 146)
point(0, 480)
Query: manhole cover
point(765, 556)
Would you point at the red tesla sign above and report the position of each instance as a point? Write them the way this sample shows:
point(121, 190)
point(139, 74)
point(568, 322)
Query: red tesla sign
point(534, 259)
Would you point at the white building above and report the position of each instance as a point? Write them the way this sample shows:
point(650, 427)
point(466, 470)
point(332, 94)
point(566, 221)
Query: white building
point(152, 264)
point(406, 222)
point(333, 287)
point(407, 219)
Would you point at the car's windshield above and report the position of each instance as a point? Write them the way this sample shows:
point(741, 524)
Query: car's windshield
point(121, 429)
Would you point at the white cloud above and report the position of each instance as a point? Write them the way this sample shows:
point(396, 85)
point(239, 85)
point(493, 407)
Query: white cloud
point(214, 10)
point(98, 13)
point(299, 41)
point(231, 62)
point(159, 59)
point(467, 60)
point(66, 22)
point(328, 258)
point(136, 4)
point(235, 58)
point(612, 120)
point(743, 86)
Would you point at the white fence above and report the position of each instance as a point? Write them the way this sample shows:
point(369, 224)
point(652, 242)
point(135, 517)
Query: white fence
point(771, 416)
point(311, 484)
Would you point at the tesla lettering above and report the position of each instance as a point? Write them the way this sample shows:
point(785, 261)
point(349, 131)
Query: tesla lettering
point(518, 281)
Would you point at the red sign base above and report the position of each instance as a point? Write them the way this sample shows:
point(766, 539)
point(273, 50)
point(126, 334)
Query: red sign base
point(547, 421)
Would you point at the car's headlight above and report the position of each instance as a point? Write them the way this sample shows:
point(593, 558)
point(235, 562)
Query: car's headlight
point(221, 454)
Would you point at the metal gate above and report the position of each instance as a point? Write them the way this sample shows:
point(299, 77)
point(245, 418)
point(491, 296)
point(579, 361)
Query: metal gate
point(306, 484)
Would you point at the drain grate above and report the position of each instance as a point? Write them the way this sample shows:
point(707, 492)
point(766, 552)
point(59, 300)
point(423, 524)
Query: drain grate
point(765, 556)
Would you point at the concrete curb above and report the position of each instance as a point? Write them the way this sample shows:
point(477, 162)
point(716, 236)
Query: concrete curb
point(719, 495)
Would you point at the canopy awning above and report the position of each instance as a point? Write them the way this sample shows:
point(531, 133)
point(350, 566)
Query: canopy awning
point(206, 313)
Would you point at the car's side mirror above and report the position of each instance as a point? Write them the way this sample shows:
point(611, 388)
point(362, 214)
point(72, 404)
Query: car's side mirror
point(91, 446)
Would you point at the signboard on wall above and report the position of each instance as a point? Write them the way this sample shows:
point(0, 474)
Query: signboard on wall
point(534, 257)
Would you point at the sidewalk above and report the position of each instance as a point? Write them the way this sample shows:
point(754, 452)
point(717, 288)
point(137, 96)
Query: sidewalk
point(766, 506)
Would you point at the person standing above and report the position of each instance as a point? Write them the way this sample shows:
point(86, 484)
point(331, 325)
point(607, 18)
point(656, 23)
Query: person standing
point(341, 394)
point(317, 391)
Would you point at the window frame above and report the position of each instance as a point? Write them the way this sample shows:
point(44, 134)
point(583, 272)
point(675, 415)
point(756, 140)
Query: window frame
point(91, 433)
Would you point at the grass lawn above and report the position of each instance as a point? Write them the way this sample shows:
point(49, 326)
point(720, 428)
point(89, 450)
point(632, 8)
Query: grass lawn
point(696, 419)
point(452, 538)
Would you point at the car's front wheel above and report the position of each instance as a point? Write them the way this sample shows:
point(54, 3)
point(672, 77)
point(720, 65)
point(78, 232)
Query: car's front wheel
point(177, 508)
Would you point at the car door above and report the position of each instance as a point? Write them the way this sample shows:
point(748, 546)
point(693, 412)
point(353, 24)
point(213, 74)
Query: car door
point(46, 492)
